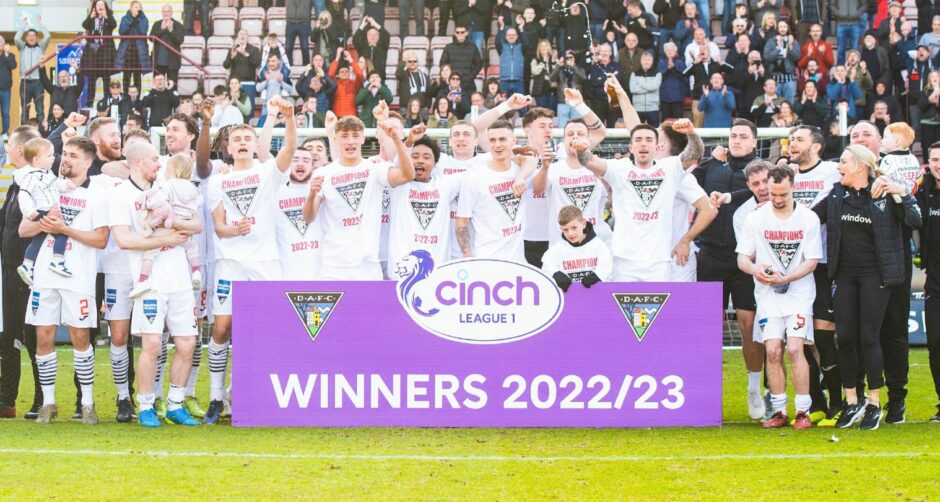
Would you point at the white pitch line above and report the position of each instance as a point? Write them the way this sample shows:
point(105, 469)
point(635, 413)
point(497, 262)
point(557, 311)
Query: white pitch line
point(468, 458)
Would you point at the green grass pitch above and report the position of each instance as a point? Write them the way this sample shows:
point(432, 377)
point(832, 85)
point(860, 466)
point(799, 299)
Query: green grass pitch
point(739, 460)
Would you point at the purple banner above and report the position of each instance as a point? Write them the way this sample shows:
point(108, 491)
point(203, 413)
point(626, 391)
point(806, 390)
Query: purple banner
point(453, 347)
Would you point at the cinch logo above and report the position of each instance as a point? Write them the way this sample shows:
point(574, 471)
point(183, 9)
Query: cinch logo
point(640, 310)
point(313, 309)
point(478, 301)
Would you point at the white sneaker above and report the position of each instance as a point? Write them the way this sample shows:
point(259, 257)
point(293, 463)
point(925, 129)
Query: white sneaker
point(26, 273)
point(755, 406)
point(140, 289)
point(60, 268)
point(197, 280)
point(4, 137)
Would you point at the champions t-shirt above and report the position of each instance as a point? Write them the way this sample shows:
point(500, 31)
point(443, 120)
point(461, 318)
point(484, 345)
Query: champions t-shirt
point(578, 261)
point(85, 209)
point(171, 272)
point(112, 259)
point(575, 186)
point(451, 167)
point(297, 242)
point(813, 185)
point(783, 244)
point(421, 218)
point(252, 194)
point(643, 203)
point(351, 213)
point(497, 216)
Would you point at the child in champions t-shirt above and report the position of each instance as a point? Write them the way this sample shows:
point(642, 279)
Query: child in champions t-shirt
point(39, 193)
point(580, 256)
point(898, 162)
point(177, 197)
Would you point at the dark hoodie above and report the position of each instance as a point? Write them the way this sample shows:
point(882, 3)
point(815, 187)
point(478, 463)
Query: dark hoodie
point(728, 177)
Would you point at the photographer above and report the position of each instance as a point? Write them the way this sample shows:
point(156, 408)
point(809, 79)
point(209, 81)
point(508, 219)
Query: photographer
point(243, 62)
point(567, 75)
point(325, 41)
point(767, 104)
point(810, 107)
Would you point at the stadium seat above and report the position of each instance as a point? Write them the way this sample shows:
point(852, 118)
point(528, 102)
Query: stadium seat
point(194, 48)
point(394, 42)
point(227, 3)
point(393, 58)
point(277, 20)
point(415, 42)
point(249, 3)
point(255, 41)
point(434, 71)
point(492, 71)
point(251, 19)
point(188, 81)
point(223, 21)
point(439, 42)
point(218, 48)
point(296, 59)
point(493, 56)
point(392, 85)
point(216, 76)
point(295, 72)
point(436, 56)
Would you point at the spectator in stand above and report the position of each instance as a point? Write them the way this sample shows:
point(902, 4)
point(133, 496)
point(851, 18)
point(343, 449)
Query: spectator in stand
point(532, 28)
point(415, 113)
point(567, 75)
point(931, 40)
point(804, 14)
point(243, 63)
point(463, 57)
point(643, 24)
point(818, 50)
point(576, 34)
point(781, 53)
point(438, 83)
point(738, 28)
point(493, 96)
point(752, 85)
point(189, 16)
point(476, 100)
point(629, 60)
point(297, 17)
point(240, 98)
point(224, 113)
point(542, 66)
point(406, 8)
point(442, 117)
point(597, 12)
point(760, 8)
point(737, 14)
point(900, 49)
point(325, 41)
point(701, 71)
point(512, 63)
point(785, 117)
point(767, 104)
point(554, 27)
point(841, 88)
point(31, 46)
point(847, 15)
point(811, 74)
point(375, 9)
point(717, 103)
point(614, 38)
point(7, 65)
point(926, 11)
point(160, 101)
point(474, 17)
point(413, 82)
point(917, 81)
point(369, 97)
point(134, 122)
point(371, 41)
point(685, 27)
point(645, 85)
point(876, 59)
point(891, 24)
point(133, 57)
point(930, 110)
point(883, 95)
point(810, 107)
point(273, 83)
point(310, 113)
point(669, 12)
point(137, 106)
point(857, 70)
point(272, 46)
point(64, 93)
point(675, 87)
point(55, 119)
point(737, 60)
point(700, 40)
point(880, 116)
point(765, 30)
point(98, 55)
point(345, 71)
point(117, 104)
point(170, 31)
point(458, 100)
point(597, 97)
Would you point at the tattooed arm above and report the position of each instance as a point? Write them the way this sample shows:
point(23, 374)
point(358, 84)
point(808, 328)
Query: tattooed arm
point(463, 237)
point(596, 129)
point(695, 149)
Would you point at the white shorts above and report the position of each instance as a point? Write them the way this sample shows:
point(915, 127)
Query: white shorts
point(229, 271)
point(117, 302)
point(780, 328)
point(685, 273)
point(55, 307)
point(154, 310)
point(368, 271)
point(201, 297)
point(640, 271)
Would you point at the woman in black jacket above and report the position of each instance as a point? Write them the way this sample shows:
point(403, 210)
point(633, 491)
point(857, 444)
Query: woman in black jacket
point(97, 60)
point(928, 198)
point(864, 213)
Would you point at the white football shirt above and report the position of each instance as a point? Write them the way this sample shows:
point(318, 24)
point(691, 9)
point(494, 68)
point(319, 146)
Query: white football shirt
point(575, 185)
point(421, 218)
point(297, 242)
point(497, 216)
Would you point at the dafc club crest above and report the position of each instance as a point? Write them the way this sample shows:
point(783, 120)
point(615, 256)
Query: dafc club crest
point(314, 309)
point(641, 310)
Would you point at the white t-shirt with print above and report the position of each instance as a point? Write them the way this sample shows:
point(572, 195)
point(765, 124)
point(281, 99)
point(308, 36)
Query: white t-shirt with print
point(497, 216)
point(421, 218)
point(297, 242)
point(451, 167)
point(812, 186)
point(578, 187)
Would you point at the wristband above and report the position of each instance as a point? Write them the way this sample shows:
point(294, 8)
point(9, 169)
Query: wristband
point(583, 109)
point(503, 108)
